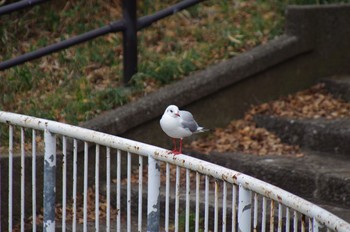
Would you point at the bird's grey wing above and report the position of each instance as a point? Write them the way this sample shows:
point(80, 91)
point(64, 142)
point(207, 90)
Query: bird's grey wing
point(188, 121)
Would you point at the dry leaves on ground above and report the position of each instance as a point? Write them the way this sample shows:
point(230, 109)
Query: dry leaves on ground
point(79, 210)
point(314, 102)
point(243, 135)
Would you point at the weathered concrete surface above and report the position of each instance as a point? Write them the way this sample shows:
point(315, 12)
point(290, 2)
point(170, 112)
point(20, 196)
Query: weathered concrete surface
point(314, 134)
point(339, 86)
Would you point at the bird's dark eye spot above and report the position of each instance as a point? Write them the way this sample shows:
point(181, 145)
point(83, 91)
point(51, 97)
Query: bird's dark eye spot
point(171, 111)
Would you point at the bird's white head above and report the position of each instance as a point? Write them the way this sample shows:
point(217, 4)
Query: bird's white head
point(172, 111)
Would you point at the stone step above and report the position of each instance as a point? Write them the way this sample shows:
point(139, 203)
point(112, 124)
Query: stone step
point(338, 86)
point(314, 134)
point(315, 176)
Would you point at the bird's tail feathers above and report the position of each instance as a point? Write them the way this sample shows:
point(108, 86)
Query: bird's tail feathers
point(201, 129)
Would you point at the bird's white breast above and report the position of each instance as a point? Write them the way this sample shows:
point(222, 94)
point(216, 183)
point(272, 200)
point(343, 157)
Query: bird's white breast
point(173, 128)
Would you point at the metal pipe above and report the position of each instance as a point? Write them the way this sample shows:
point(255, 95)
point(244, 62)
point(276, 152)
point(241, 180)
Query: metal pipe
point(129, 39)
point(287, 229)
point(139, 221)
point(216, 206)
point(86, 172)
point(113, 27)
point(153, 205)
point(280, 217)
point(128, 193)
point(264, 212)
point(167, 193)
point(244, 209)
point(19, 5)
point(22, 179)
point(75, 181)
point(206, 205)
point(255, 218)
point(177, 198)
point(146, 21)
point(49, 181)
point(33, 180)
point(10, 186)
point(108, 188)
point(188, 192)
point(64, 182)
point(97, 188)
point(234, 208)
point(118, 190)
point(197, 200)
point(224, 206)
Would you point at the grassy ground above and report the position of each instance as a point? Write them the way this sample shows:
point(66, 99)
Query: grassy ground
point(82, 81)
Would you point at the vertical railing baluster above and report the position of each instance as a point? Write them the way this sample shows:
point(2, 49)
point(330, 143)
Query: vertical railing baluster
point(97, 188)
point(295, 221)
point(206, 204)
point(272, 215)
point(280, 217)
point(216, 206)
point(33, 180)
point(49, 181)
point(139, 221)
point(22, 179)
point(0, 182)
point(75, 181)
point(188, 191)
point(128, 194)
point(224, 205)
point(64, 182)
point(108, 188)
point(197, 200)
point(118, 190)
point(315, 225)
point(264, 212)
point(86, 172)
point(310, 225)
point(244, 209)
point(153, 204)
point(255, 220)
point(10, 186)
point(167, 196)
point(177, 198)
point(287, 220)
point(234, 208)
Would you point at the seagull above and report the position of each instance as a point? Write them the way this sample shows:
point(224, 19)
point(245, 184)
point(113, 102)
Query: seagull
point(178, 124)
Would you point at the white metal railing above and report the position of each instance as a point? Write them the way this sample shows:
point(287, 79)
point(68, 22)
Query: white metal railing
point(193, 194)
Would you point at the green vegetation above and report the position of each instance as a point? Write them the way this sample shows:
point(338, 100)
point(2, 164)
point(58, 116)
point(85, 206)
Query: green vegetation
point(76, 84)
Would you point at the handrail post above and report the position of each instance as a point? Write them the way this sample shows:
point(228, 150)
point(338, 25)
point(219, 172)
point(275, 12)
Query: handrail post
point(244, 209)
point(129, 39)
point(153, 208)
point(49, 181)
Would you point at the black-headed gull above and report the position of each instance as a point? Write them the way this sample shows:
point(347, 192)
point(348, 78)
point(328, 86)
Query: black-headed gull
point(178, 124)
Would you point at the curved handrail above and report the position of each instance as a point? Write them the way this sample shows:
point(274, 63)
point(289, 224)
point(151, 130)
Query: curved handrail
point(270, 191)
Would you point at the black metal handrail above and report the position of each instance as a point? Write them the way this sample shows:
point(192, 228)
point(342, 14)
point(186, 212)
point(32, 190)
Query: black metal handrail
point(19, 5)
point(129, 26)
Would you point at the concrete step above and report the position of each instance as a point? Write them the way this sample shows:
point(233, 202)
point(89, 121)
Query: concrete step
point(338, 86)
point(314, 134)
point(319, 177)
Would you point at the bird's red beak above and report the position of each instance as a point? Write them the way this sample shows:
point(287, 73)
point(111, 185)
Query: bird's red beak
point(177, 114)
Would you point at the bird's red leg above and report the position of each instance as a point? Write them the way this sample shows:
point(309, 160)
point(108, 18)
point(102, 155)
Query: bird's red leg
point(174, 150)
point(180, 151)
